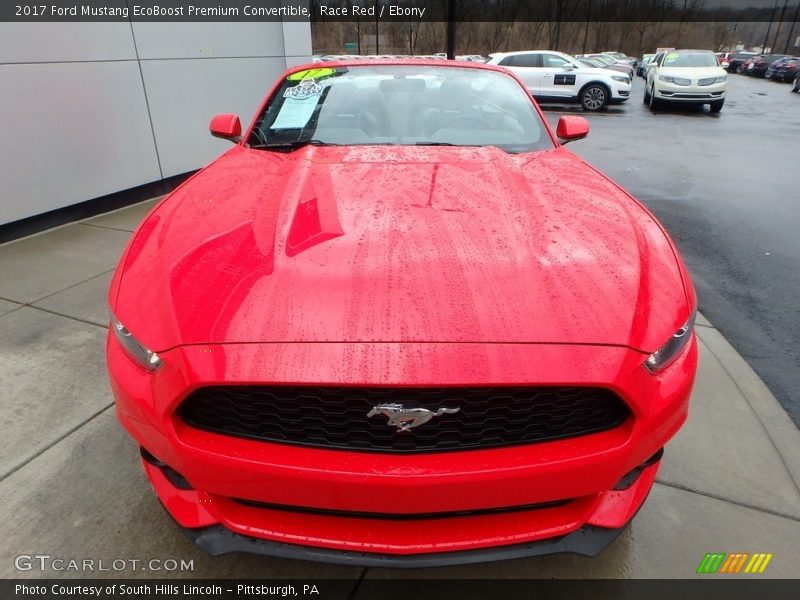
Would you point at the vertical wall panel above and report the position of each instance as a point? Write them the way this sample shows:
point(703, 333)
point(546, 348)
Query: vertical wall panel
point(185, 94)
point(200, 40)
point(71, 132)
point(65, 42)
point(297, 42)
point(84, 116)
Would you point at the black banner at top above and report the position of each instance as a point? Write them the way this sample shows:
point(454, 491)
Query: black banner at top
point(400, 10)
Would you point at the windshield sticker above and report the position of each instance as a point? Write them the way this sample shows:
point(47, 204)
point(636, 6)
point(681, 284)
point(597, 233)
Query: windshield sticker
point(312, 74)
point(672, 56)
point(305, 89)
point(295, 113)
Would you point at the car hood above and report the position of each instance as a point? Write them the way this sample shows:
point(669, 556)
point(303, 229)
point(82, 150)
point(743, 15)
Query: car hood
point(396, 244)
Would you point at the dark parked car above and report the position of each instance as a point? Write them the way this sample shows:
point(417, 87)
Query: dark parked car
point(784, 70)
point(641, 66)
point(764, 62)
point(735, 62)
point(746, 67)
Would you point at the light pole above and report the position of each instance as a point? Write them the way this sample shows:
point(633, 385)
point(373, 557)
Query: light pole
point(559, 8)
point(791, 31)
point(586, 30)
point(451, 30)
point(778, 28)
point(766, 37)
point(377, 34)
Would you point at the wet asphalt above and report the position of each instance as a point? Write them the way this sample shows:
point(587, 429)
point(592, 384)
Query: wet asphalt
point(727, 187)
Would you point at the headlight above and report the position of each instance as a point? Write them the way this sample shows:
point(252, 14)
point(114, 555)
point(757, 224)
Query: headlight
point(721, 79)
point(663, 357)
point(675, 80)
point(620, 78)
point(144, 357)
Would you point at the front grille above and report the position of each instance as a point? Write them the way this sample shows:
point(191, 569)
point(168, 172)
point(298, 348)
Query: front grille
point(336, 417)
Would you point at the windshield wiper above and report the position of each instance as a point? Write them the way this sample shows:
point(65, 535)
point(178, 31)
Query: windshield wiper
point(446, 144)
point(289, 146)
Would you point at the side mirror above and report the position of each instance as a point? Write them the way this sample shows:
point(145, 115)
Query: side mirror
point(569, 68)
point(572, 128)
point(227, 127)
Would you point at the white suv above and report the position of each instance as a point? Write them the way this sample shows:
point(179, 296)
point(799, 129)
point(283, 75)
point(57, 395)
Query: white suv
point(557, 77)
point(686, 77)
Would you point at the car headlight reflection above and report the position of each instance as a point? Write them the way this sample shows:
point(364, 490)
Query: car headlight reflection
point(663, 357)
point(143, 356)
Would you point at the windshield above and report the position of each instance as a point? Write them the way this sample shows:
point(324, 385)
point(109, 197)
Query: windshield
point(400, 105)
point(690, 59)
point(604, 59)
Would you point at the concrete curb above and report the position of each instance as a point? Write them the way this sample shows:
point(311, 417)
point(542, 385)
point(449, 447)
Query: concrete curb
point(777, 424)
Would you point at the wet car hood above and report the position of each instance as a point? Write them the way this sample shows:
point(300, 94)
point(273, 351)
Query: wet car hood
point(399, 244)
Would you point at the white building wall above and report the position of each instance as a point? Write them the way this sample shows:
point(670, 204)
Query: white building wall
point(88, 109)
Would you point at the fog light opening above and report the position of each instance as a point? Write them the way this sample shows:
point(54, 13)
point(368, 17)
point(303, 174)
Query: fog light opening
point(175, 478)
point(629, 479)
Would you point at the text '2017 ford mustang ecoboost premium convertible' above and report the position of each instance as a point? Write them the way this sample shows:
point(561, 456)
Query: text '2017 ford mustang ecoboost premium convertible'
point(397, 323)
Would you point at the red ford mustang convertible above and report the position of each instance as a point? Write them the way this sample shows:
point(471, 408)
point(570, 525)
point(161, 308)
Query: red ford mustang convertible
point(397, 323)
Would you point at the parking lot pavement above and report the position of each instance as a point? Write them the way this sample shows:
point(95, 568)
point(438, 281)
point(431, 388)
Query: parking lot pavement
point(72, 482)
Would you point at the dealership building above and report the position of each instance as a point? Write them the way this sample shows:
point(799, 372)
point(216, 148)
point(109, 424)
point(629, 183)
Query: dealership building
point(93, 111)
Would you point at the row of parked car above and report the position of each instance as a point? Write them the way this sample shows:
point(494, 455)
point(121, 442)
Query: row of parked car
point(593, 80)
point(779, 67)
point(597, 80)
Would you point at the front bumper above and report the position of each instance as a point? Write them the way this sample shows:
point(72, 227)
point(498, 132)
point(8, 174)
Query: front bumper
point(620, 96)
point(586, 541)
point(620, 92)
point(690, 93)
point(784, 76)
point(331, 501)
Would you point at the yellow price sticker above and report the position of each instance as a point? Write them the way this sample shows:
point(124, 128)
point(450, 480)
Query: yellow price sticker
point(312, 74)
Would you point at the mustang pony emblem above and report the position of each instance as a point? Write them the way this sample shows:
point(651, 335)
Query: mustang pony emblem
point(406, 419)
